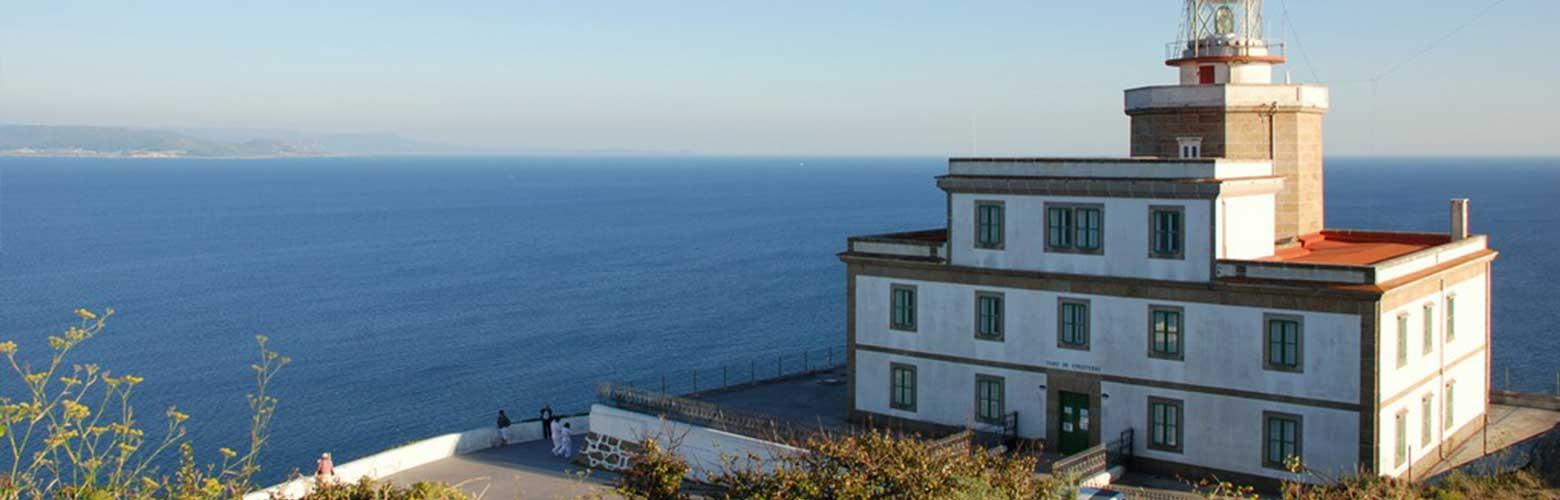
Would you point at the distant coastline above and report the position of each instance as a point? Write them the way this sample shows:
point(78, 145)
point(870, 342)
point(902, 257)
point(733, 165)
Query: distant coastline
point(143, 154)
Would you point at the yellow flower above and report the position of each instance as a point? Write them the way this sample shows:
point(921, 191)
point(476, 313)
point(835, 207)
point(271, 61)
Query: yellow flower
point(227, 453)
point(76, 411)
point(7, 347)
point(132, 379)
point(85, 314)
point(70, 381)
point(177, 416)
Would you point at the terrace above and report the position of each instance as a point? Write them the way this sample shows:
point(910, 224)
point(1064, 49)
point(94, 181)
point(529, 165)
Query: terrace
point(1357, 258)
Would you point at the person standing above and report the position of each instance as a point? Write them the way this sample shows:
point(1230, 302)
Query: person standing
point(503, 427)
point(547, 422)
point(324, 470)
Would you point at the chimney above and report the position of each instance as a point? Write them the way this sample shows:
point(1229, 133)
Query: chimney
point(1459, 219)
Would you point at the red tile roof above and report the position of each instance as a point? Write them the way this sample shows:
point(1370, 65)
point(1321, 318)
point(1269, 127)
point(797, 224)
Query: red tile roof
point(1356, 248)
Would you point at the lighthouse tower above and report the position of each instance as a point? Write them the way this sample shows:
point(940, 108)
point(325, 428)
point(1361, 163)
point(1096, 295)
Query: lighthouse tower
point(1227, 106)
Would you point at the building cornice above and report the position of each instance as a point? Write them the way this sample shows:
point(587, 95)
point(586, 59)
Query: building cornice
point(1205, 189)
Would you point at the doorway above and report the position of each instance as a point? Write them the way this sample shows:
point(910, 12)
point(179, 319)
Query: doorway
point(1073, 433)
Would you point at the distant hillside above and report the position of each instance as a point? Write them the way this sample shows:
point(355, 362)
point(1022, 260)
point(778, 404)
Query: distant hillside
point(41, 140)
point(350, 144)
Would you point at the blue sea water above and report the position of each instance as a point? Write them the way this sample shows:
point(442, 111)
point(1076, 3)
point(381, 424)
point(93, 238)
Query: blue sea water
point(417, 295)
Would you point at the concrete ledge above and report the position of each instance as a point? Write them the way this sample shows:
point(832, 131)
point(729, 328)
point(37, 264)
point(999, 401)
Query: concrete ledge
point(418, 453)
point(1526, 400)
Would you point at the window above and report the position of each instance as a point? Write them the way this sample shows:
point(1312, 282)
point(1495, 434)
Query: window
point(988, 399)
point(1426, 424)
point(902, 393)
point(1205, 75)
point(1282, 439)
point(1400, 448)
point(1073, 228)
point(1072, 327)
point(1283, 345)
point(1402, 340)
point(1429, 332)
point(902, 316)
point(1164, 332)
point(1451, 322)
point(988, 225)
point(1447, 411)
point(988, 315)
point(1164, 423)
point(1166, 232)
point(1191, 147)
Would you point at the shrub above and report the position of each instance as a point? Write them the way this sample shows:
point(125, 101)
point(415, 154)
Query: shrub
point(656, 474)
point(880, 465)
point(367, 489)
point(74, 433)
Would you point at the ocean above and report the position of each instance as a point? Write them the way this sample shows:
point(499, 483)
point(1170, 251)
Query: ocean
point(418, 295)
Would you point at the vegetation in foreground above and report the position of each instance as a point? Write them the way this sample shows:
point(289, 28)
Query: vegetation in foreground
point(366, 489)
point(1525, 483)
point(872, 466)
point(71, 431)
point(883, 466)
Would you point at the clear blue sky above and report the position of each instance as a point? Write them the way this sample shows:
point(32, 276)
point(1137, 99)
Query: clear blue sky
point(750, 77)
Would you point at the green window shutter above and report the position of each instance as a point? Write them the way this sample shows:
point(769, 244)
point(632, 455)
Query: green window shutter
point(1451, 322)
point(1402, 340)
point(1401, 447)
point(1284, 343)
point(1429, 326)
point(1448, 412)
point(1059, 226)
point(1088, 227)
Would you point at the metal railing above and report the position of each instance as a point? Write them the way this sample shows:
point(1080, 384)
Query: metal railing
point(706, 414)
point(1096, 459)
point(1218, 48)
point(700, 380)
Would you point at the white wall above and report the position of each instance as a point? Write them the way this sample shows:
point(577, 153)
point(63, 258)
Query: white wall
point(1226, 433)
point(946, 392)
point(1124, 236)
point(1245, 227)
point(415, 454)
point(1429, 373)
point(703, 448)
point(1223, 344)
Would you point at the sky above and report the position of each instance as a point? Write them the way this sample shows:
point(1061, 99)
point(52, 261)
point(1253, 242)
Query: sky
point(799, 77)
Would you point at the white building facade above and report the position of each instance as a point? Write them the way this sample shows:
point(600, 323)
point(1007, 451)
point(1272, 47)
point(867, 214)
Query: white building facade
point(1187, 297)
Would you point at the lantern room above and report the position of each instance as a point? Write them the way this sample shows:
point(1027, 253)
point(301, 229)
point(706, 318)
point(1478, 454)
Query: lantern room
point(1222, 42)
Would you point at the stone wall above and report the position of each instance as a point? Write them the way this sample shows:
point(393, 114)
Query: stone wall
point(608, 453)
point(1243, 134)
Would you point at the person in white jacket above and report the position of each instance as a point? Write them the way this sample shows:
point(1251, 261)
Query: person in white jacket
point(556, 434)
point(562, 446)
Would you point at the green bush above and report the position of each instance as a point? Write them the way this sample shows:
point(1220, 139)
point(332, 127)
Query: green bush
point(879, 465)
point(366, 489)
point(656, 474)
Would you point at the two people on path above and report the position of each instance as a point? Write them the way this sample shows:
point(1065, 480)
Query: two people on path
point(562, 445)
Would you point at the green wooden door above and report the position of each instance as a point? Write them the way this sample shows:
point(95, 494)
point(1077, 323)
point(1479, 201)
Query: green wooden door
point(1073, 436)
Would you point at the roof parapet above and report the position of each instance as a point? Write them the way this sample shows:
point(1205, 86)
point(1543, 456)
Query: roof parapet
point(1110, 168)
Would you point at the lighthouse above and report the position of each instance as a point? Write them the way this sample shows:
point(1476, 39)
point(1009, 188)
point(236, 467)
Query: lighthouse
point(1226, 105)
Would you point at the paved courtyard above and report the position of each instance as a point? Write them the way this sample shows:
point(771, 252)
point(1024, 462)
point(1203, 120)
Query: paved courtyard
point(526, 470)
